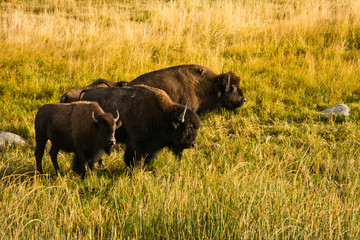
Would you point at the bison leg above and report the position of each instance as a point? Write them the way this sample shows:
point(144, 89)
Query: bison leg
point(39, 152)
point(53, 154)
point(179, 155)
point(150, 156)
point(91, 164)
point(101, 162)
point(79, 163)
point(95, 157)
point(131, 156)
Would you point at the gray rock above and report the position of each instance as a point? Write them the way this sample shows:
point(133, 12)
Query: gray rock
point(11, 139)
point(216, 145)
point(340, 109)
point(289, 119)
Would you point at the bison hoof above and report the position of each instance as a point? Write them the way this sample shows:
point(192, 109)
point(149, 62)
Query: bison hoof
point(179, 155)
point(101, 163)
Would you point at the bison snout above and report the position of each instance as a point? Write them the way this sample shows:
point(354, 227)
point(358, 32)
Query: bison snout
point(241, 102)
point(192, 144)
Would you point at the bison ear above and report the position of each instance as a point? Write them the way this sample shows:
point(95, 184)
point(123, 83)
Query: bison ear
point(118, 124)
point(233, 88)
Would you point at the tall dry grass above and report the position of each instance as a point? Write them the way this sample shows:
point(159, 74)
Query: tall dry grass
point(276, 169)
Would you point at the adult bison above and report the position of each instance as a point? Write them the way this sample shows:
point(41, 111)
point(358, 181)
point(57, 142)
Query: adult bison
point(80, 127)
point(73, 94)
point(196, 85)
point(151, 120)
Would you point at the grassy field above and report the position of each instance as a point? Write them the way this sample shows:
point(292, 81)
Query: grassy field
point(274, 170)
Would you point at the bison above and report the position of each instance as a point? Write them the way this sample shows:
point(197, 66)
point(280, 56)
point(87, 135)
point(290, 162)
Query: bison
point(80, 127)
point(73, 94)
point(151, 121)
point(196, 85)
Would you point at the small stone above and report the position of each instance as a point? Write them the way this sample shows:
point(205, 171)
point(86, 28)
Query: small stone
point(11, 139)
point(340, 109)
point(216, 145)
point(289, 120)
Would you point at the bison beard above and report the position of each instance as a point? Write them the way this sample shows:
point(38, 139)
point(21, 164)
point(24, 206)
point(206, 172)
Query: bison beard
point(151, 121)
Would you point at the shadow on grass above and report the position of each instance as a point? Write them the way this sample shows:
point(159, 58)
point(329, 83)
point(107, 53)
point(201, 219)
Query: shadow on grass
point(26, 172)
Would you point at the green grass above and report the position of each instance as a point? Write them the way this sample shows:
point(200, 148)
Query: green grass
point(276, 169)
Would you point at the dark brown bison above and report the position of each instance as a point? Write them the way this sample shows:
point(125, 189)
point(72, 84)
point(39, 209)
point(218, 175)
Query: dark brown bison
point(80, 127)
point(151, 120)
point(73, 94)
point(196, 85)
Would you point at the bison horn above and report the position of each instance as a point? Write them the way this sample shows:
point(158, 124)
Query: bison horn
point(182, 115)
point(226, 80)
point(117, 116)
point(93, 117)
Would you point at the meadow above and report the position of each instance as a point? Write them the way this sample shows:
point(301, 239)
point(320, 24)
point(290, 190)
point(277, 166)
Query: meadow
point(276, 169)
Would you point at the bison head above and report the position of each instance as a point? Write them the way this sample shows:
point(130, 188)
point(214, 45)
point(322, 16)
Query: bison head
point(106, 125)
point(231, 96)
point(70, 96)
point(185, 124)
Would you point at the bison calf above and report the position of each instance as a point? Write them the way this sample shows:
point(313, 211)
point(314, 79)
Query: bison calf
point(151, 120)
point(80, 127)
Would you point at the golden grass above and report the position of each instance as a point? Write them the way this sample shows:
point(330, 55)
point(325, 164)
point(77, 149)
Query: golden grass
point(274, 170)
